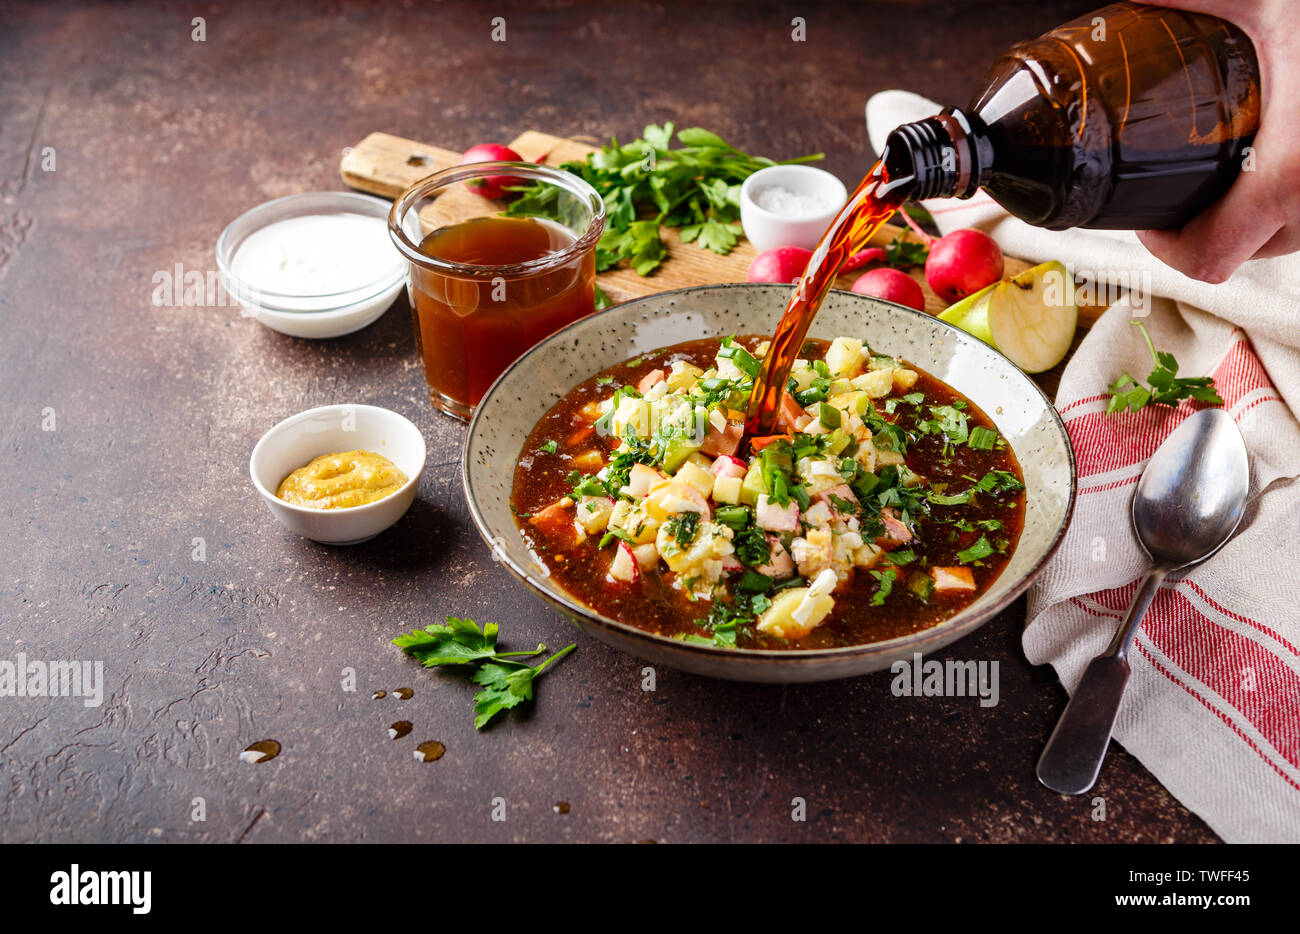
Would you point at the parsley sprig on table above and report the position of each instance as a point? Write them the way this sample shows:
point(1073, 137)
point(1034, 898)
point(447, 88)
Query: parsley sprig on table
point(506, 683)
point(1165, 386)
point(647, 185)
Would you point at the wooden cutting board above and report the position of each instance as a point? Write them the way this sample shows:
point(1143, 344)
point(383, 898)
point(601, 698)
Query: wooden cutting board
point(387, 165)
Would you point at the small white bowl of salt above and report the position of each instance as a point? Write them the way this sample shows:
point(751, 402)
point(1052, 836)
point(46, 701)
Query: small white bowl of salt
point(789, 205)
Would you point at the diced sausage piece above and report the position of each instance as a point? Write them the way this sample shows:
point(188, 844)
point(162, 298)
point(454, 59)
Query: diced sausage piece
point(726, 441)
point(841, 492)
point(952, 579)
point(757, 444)
point(581, 435)
point(768, 515)
point(780, 564)
point(556, 518)
point(896, 532)
point(654, 376)
point(789, 413)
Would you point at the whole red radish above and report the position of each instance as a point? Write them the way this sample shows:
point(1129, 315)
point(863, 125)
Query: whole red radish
point(893, 285)
point(779, 264)
point(961, 263)
point(491, 186)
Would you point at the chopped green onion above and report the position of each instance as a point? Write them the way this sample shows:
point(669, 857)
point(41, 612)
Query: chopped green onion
point(736, 517)
point(982, 439)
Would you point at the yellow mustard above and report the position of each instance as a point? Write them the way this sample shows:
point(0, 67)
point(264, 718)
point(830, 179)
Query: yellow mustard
point(337, 481)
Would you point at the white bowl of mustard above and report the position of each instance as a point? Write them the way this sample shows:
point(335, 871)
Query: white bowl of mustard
point(301, 439)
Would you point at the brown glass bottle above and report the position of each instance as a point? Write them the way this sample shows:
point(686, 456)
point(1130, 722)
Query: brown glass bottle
point(1131, 117)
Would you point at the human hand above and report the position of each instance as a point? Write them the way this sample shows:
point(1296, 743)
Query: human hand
point(1259, 216)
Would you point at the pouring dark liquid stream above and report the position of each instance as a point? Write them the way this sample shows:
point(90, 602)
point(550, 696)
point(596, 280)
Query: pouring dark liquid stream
point(871, 204)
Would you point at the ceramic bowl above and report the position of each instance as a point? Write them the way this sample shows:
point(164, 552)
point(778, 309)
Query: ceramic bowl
point(332, 429)
point(317, 317)
point(767, 229)
point(538, 379)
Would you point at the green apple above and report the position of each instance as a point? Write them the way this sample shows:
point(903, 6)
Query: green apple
point(1031, 318)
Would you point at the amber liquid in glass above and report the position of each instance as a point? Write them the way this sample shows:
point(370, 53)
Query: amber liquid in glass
point(470, 326)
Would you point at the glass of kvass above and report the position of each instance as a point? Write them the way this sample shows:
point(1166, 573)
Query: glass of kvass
point(490, 277)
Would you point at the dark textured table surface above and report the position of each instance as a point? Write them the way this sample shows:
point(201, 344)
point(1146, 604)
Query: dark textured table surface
point(157, 141)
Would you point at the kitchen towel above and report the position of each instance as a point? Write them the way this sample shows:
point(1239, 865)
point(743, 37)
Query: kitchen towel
point(1213, 704)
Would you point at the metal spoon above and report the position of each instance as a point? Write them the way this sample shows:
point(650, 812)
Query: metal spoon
point(1188, 503)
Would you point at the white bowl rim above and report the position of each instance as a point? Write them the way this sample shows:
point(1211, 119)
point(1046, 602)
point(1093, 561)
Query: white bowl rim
point(747, 197)
point(380, 285)
point(411, 480)
point(562, 600)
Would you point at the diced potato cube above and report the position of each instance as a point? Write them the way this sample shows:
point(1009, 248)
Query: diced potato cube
point(701, 556)
point(867, 555)
point(844, 357)
point(593, 513)
point(588, 461)
point(853, 402)
point(803, 374)
point(888, 458)
point(867, 454)
point(641, 527)
point(634, 416)
point(702, 461)
point(697, 476)
point(727, 490)
point(904, 379)
point(683, 376)
point(618, 517)
point(624, 567)
point(653, 504)
point(875, 383)
point(640, 479)
point(647, 555)
point(780, 620)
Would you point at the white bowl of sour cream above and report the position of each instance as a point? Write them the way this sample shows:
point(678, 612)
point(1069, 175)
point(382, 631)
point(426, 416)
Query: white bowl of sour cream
point(315, 265)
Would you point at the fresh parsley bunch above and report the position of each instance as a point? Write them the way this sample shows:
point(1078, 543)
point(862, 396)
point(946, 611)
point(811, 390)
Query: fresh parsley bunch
point(646, 185)
point(505, 682)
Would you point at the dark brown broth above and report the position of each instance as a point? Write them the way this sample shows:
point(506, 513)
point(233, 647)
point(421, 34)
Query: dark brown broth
point(654, 605)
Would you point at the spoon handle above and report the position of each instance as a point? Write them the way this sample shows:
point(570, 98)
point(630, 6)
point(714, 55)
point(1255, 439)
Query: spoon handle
point(1072, 759)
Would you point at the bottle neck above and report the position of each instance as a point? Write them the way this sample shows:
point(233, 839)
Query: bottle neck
point(945, 156)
